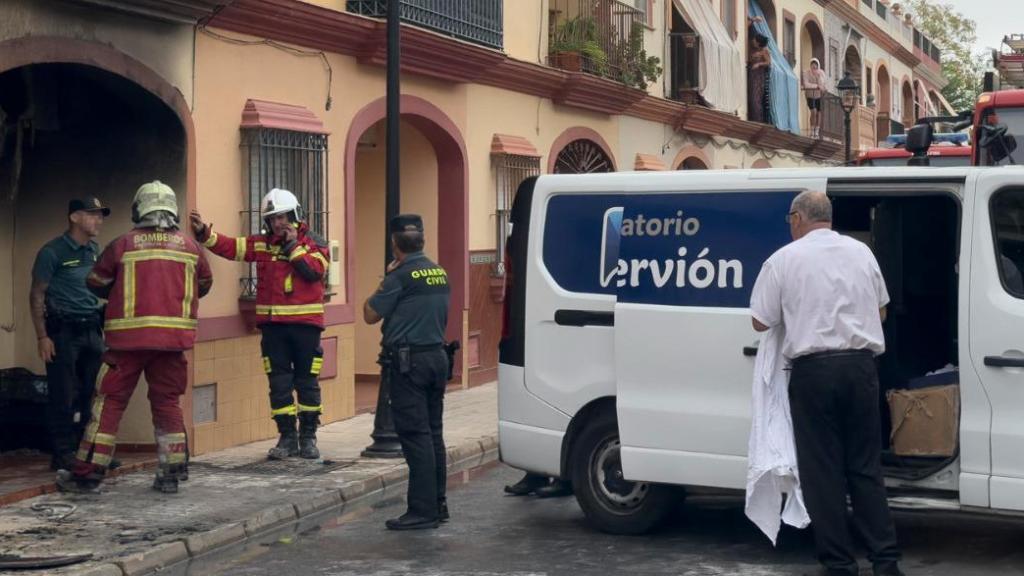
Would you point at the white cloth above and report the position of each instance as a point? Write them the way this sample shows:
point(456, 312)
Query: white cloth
point(771, 458)
point(826, 289)
point(721, 62)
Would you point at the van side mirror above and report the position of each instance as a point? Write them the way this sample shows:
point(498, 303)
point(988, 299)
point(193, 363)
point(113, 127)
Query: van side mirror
point(996, 140)
point(919, 139)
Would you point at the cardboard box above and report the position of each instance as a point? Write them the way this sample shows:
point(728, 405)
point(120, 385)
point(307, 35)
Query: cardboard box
point(926, 421)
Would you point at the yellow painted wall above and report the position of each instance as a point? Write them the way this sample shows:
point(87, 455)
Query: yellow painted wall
point(526, 29)
point(164, 47)
point(419, 195)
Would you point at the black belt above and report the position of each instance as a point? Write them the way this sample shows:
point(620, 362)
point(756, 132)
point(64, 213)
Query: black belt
point(393, 348)
point(832, 354)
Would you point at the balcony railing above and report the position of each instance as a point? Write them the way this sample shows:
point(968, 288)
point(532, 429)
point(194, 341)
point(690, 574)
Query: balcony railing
point(685, 61)
point(832, 127)
point(600, 37)
point(479, 21)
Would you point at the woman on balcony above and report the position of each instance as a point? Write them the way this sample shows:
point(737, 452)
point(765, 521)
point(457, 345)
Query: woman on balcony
point(758, 75)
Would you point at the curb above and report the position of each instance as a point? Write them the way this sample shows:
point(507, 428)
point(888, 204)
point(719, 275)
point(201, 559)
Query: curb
point(162, 556)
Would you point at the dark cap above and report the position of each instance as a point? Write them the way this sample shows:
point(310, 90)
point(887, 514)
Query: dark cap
point(406, 222)
point(88, 204)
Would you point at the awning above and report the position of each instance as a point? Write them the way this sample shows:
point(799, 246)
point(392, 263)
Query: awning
point(721, 70)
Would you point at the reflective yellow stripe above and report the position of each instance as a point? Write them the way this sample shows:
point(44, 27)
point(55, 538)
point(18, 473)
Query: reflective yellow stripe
point(211, 241)
point(240, 249)
point(298, 253)
point(304, 408)
point(173, 438)
point(105, 439)
point(175, 457)
point(150, 322)
point(266, 365)
point(318, 363)
point(101, 459)
point(322, 260)
point(172, 255)
point(129, 289)
point(290, 309)
point(288, 284)
point(259, 246)
point(286, 411)
point(186, 302)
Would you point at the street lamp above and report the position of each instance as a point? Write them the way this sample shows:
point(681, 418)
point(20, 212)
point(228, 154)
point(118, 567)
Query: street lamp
point(849, 95)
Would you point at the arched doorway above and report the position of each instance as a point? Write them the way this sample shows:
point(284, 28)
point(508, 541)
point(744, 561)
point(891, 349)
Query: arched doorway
point(885, 112)
point(812, 42)
point(580, 150)
point(434, 184)
point(761, 164)
point(853, 66)
point(909, 110)
point(83, 119)
point(691, 157)
point(692, 163)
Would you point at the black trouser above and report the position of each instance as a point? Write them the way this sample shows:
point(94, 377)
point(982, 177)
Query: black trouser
point(834, 404)
point(71, 378)
point(417, 406)
point(292, 358)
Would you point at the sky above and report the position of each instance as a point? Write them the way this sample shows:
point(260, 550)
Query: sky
point(995, 19)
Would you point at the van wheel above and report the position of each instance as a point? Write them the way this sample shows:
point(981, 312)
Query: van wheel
point(610, 502)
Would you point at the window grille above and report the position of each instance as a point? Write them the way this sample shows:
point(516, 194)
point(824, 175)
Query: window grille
point(509, 173)
point(294, 161)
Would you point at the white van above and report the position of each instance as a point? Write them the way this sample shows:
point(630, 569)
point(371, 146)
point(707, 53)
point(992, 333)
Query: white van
point(627, 355)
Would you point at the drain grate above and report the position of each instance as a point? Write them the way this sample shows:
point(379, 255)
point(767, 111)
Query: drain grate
point(296, 467)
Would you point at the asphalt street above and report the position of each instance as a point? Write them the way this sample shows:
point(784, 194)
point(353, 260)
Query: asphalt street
point(492, 534)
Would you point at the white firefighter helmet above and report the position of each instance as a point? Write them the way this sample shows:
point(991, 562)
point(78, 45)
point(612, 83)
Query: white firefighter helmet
point(152, 197)
point(280, 201)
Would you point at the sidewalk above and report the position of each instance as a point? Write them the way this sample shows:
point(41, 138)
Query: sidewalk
point(231, 496)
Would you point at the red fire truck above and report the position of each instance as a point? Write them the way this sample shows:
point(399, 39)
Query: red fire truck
point(948, 149)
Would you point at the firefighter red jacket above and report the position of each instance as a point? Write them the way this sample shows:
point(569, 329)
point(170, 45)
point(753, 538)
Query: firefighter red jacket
point(289, 280)
point(152, 280)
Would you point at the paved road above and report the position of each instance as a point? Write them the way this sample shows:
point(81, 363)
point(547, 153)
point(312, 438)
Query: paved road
point(492, 535)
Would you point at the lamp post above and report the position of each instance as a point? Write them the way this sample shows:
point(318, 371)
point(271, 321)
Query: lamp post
point(849, 95)
point(385, 440)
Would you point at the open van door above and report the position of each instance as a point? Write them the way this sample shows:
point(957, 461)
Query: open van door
point(997, 324)
point(684, 344)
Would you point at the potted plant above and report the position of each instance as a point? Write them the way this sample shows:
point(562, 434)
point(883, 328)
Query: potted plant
point(638, 69)
point(575, 47)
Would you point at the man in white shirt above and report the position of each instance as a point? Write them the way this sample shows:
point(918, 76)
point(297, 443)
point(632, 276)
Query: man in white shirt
point(829, 294)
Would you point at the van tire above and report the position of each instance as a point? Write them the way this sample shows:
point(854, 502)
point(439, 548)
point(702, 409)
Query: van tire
point(611, 504)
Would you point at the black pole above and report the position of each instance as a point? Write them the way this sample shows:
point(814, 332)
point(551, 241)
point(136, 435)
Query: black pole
point(846, 121)
point(385, 441)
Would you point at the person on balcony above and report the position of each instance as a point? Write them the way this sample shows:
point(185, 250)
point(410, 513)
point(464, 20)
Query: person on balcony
point(814, 87)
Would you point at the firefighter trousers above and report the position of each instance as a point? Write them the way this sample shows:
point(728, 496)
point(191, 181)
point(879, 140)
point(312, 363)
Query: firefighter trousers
point(292, 358)
point(167, 377)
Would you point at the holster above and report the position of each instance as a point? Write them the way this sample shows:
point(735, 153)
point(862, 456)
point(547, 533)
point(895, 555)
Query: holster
point(450, 349)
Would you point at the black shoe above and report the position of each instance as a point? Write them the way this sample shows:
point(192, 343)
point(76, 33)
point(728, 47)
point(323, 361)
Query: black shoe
point(68, 482)
point(411, 522)
point(65, 461)
point(556, 489)
point(442, 510)
point(288, 442)
point(527, 485)
point(308, 449)
point(114, 464)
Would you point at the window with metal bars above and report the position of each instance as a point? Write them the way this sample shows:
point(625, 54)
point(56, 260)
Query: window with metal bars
point(509, 173)
point(291, 160)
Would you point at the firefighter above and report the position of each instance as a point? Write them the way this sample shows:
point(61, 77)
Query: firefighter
point(152, 278)
point(291, 266)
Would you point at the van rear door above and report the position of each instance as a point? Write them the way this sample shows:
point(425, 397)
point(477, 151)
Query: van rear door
point(997, 324)
point(684, 345)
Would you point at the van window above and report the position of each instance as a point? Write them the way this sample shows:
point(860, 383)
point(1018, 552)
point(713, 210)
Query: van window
point(1007, 211)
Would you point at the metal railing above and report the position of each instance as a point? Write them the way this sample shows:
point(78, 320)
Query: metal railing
point(832, 127)
point(476, 21)
point(685, 52)
point(600, 37)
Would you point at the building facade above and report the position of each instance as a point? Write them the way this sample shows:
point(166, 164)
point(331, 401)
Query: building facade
point(226, 99)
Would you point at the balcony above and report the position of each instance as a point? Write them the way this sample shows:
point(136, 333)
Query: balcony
point(832, 126)
point(603, 38)
point(685, 50)
point(479, 21)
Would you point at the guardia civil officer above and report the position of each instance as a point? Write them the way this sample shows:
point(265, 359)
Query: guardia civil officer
point(828, 293)
point(69, 326)
point(413, 302)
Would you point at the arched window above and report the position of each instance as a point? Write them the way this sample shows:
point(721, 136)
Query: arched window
point(582, 157)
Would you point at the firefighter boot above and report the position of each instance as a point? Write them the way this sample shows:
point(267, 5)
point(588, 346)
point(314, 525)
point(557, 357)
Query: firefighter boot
point(288, 443)
point(166, 480)
point(307, 435)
